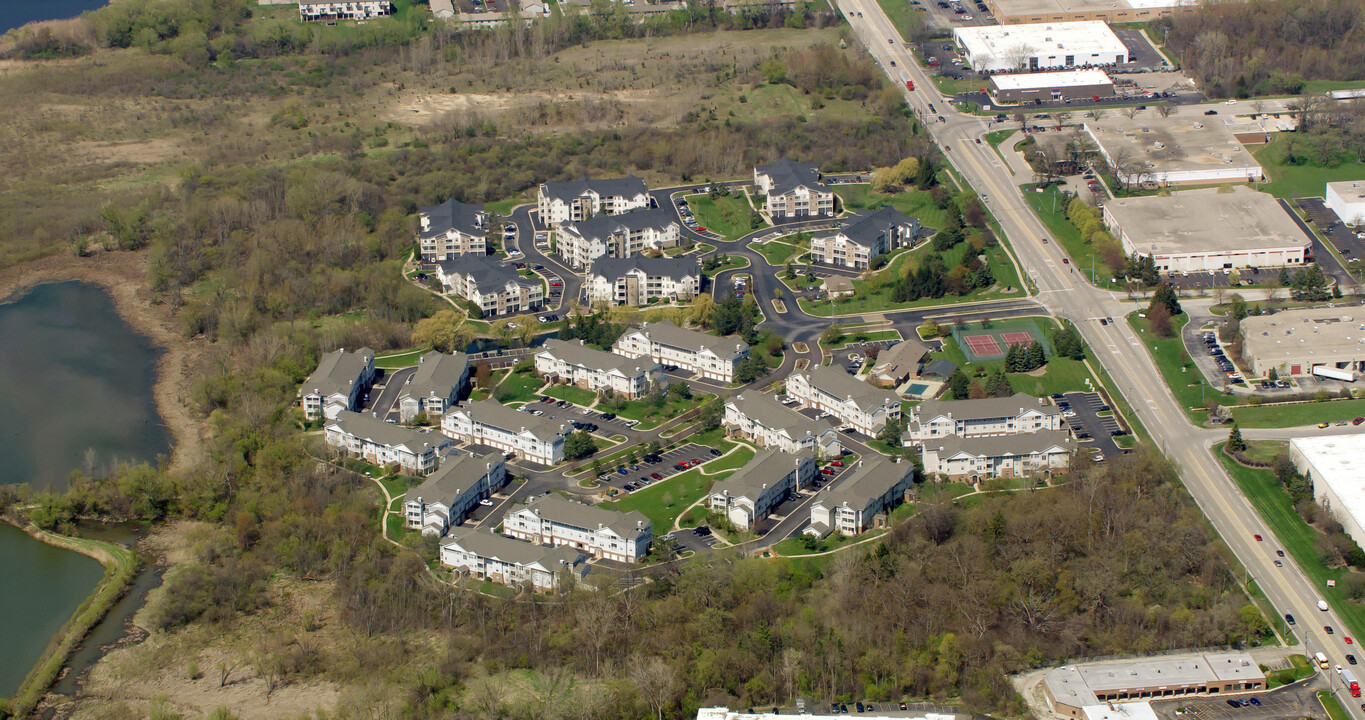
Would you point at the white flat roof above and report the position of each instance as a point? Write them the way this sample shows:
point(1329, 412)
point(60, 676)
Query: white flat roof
point(1202, 221)
point(1037, 81)
point(1075, 685)
point(1186, 141)
point(1319, 335)
point(1351, 191)
point(1083, 37)
point(1336, 461)
point(1120, 711)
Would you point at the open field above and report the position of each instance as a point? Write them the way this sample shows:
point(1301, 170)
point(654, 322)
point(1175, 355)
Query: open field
point(1296, 181)
point(915, 203)
point(727, 216)
point(664, 501)
point(575, 395)
point(1309, 413)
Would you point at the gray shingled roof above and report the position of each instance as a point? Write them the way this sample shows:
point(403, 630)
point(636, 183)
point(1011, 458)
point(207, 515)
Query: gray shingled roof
point(840, 384)
point(575, 352)
point(600, 226)
point(628, 186)
point(901, 357)
point(484, 543)
point(490, 274)
point(389, 434)
point(768, 412)
point(457, 475)
point(766, 468)
point(560, 509)
point(787, 175)
point(337, 372)
point(865, 227)
point(436, 374)
point(997, 445)
point(984, 407)
point(676, 268)
point(872, 478)
point(492, 412)
point(453, 214)
point(668, 333)
point(939, 368)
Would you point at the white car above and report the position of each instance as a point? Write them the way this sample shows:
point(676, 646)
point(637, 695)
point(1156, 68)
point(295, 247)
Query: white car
point(486, 502)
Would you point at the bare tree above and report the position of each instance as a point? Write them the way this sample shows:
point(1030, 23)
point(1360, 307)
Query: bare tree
point(1131, 112)
point(1020, 118)
point(791, 663)
point(657, 682)
point(1061, 119)
point(1165, 109)
point(1096, 113)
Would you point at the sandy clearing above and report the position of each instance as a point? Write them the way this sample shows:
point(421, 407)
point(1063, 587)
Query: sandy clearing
point(138, 152)
point(421, 107)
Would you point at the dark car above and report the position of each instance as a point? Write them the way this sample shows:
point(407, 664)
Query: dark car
point(703, 531)
point(1351, 659)
point(1255, 702)
point(1234, 703)
point(1289, 618)
point(1280, 553)
point(859, 705)
point(715, 451)
point(1328, 629)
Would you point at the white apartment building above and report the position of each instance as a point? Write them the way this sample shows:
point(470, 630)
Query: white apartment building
point(863, 238)
point(556, 520)
point(772, 425)
point(437, 384)
point(493, 286)
point(641, 280)
point(573, 363)
point(339, 383)
point(352, 10)
point(1016, 414)
point(379, 443)
point(486, 555)
point(616, 236)
point(981, 458)
point(578, 200)
point(793, 190)
point(876, 487)
point(749, 496)
point(453, 491)
point(536, 438)
point(827, 388)
point(452, 229)
point(716, 358)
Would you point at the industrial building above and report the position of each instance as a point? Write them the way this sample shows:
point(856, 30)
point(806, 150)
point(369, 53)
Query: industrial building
point(1212, 229)
point(1015, 12)
point(1044, 46)
point(1293, 342)
point(1333, 464)
point(1347, 199)
point(1072, 688)
point(1051, 86)
point(1184, 148)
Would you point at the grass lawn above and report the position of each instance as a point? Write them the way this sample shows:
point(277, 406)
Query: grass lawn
point(1187, 384)
point(834, 541)
point(504, 207)
point(1322, 87)
point(519, 387)
point(1300, 541)
point(575, 395)
point(933, 490)
point(864, 300)
point(713, 439)
point(1302, 669)
point(731, 262)
point(915, 203)
point(1082, 253)
point(399, 360)
point(663, 501)
point(776, 253)
point(950, 87)
point(651, 415)
point(1333, 708)
point(1312, 413)
point(1059, 374)
point(734, 461)
point(865, 336)
point(1295, 181)
point(904, 16)
point(727, 216)
point(995, 137)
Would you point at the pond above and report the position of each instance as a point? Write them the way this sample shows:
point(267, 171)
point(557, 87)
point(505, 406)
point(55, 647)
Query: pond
point(14, 13)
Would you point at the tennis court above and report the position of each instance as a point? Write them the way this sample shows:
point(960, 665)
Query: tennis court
point(983, 344)
point(1016, 338)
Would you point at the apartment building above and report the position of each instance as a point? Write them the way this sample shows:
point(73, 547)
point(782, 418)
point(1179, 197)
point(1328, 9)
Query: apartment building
point(573, 363)
point(439, 382)
point(863, 238)
point(536, 438)
point(876, 487)
point(415, 452)
point(749, 496)
point(339, 383)
point(556, 520)
point(451, 230)
point(772, 425)
point(715, 358)
point(492, 285)
point(352, 10)
point(641, 280)
point(453, 491)
point(793, 190)
point(486, 555)
point(829, 389)
point(578, 200)
point(616, 236)
point(984, 457)
point(1016, 414)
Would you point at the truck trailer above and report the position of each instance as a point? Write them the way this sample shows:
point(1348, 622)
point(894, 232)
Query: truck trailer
point(1332, 373)
point(1351, 684)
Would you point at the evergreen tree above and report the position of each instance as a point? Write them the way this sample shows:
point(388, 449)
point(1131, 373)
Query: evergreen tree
point(927, 175)
point(997, 385)
point(958, 384)
point(1165, 295)
point(1235, 441)
point(1036, 357)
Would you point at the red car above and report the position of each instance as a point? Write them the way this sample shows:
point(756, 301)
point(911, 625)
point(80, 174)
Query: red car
point(837, 463)
point(1358, 421)
point(739, 294)
point(1258, 538)
point(1348, 640)
point(1066, 261)
point(685, 464)
point(701, 228)
point(826, 471)
point(556, 283)
point(656, 476)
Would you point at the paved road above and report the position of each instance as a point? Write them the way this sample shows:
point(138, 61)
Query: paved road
point(387, 400)
point(1117, 347)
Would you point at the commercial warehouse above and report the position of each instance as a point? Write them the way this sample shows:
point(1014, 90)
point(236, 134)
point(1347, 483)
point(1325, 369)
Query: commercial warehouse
point(1071, 688)
point(1015, 12)
point(1045, 46)
point(1333, 464)
point(1051, 86)
point(1185, 148)
point(1202, 230)
point(1347, 199)
point(1293, 342)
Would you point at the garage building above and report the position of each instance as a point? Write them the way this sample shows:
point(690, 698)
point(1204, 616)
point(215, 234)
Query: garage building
point(1045, 46)
point(1185, 148)
point(1293, 342)
point(1071, 688)
point(1051, 86)
point(1333, 464)
point(1347, 198)
point(1202, 230)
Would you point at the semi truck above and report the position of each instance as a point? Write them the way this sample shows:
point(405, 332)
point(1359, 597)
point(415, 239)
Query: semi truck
point(1351, 684)
point(1322, 660)
point(1332, 373)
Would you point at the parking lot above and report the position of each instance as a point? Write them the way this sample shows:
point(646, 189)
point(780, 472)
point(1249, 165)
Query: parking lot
point(852, 357)
point(1140, 52)
point(642, 474)
point(692, 540)
point(945, 14)
point(569, 413)
point(1351, 246)
point(1088, 423)
point(1291, 701)
point(1215, 278)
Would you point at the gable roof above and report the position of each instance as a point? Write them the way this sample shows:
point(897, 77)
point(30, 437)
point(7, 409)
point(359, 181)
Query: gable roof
point(984, 407)
point(628, 186)
point(787, 175)
point(486, 544)
point(1001, 445)
point(454, 215)
point(675, 268)
point(900, 358)
point(436, 374)
point(458, 474)
point(765, 470)
point(575, 352)
point(866, 227)
point(664, 331)
point(387, 434)
point(770, 413)
point(939, 368)
point(602, 225)
point(836, 382)
point(490, 274)
point(873, 477)
point(337, 372)
point(559, 509)
point(492, 412)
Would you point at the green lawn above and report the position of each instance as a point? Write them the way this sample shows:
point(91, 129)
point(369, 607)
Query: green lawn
point(1300, 541)
point(727, 216)
point(519, 387)
point(1059, 374)
point(1322, 87)
point(663, 501)
point(712, 439)
point(734, 461)
point(1278, 416)
point(904, 16)
point(995, 137)
point(951, 87)
point(397, 361)
point(932, 490)
point(776, 253)
point(915, 203)
point(575, 395)
point(1187, 384)
point(857, 337)
point(731, 262)
point(504, 207)
point(1051, 209)
point(1296, 181)
point(864, 300)
point(651, 415)
point(1333, 708)
point(834, 541)
point(1302, 669)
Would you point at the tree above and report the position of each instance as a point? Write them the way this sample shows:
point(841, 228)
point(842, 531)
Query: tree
point(527, 329)
point(503, 331)
point(958, 384)
point(578, 445)
point(891, 432)
point(1235, 441)
point(445, 331)
point(1067, 343)
point(1159, 320)
point(709, 416)
point(1165, 109)
point(832, 335)
point(1237, 307)
point(657, 682)
point(1165, 295)
point(997, 385)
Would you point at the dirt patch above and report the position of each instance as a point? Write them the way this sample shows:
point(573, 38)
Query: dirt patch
point(421, 107)
point(136, 152)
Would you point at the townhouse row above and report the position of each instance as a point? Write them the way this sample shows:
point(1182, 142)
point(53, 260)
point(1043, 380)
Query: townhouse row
point(1017, 436)
point(343, 379)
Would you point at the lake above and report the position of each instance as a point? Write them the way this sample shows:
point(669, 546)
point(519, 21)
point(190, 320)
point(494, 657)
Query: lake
point(14, 13)
point(78, 393)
